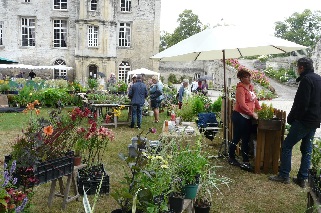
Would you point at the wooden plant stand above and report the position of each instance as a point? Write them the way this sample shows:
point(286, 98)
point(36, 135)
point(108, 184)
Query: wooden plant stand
point(64, 190)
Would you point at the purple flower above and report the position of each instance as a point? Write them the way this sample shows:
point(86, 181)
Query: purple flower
point(152, 130)
point(14, 181)
point(13, 166)
point(23, 205)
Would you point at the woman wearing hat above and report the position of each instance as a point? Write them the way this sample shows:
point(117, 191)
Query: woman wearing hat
point(245, 104)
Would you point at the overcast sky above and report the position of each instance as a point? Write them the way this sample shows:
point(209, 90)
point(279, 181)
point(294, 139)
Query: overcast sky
point(257, 13)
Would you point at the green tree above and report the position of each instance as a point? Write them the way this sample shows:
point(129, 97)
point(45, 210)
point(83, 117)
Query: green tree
point(189, 24)
point(302, 28)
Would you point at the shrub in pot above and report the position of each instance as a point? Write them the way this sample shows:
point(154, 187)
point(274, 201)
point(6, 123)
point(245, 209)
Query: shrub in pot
point(209, 182)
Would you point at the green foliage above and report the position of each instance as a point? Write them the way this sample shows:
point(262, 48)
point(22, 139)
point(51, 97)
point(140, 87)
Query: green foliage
point(210, 182)
point(4, 87)
point(302, 28)
point(316, 155)
point(192, 106)
point(189, 24)
point(121, 86)
point(265, 95)
point(162, 78)
point(92, 83)
point(217, 105)
point(26, 95)
point(267, 112)
point(172, 79)
point(52, 96)
point(282, 74)
point(190, 163)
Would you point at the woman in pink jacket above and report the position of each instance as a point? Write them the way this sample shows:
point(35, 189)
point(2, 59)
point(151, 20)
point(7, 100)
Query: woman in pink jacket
point(246, 103)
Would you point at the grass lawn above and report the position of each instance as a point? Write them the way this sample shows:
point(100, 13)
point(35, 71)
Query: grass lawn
point(248, 192)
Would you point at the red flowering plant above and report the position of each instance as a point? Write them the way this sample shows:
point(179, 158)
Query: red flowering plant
point(13, 199)
point(44, 139)
point(91, 139)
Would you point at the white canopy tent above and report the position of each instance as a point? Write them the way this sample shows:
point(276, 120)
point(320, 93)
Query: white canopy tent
point(32, 67)
point(140, 72)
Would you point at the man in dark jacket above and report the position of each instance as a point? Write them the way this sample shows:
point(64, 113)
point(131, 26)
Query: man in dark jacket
point(137, 93)
point(304, 118)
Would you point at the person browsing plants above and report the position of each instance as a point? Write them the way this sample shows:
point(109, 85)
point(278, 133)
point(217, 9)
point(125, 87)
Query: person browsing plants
point(182, 92)
point(304, 118)
point(137, 93)
point(156, 96)
point(245, 104)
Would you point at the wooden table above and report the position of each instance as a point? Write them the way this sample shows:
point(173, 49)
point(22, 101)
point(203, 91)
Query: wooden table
point(64, 190)
point(98, 108)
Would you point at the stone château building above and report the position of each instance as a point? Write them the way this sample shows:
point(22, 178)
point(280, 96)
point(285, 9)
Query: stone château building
point(91, 36)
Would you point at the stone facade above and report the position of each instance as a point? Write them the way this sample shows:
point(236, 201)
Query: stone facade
point(143, 18)
point(199, 68)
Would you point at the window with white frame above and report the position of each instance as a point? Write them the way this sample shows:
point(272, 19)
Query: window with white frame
point(60, 73)
point(1, 32)
point(92, 36)
point(93, 69)
point(60, 33)
point(124, 35)
point(93, 5)
point(28, 32)
point(125, 5)
point(60, 4)
point(27, 1)
point(123, 69)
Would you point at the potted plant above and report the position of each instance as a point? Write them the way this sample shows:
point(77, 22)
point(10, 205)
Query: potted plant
point(133, 195)
point(209, 182)
point(92, 83)
point(189, 163)
point(266, 119)
point(314, 172)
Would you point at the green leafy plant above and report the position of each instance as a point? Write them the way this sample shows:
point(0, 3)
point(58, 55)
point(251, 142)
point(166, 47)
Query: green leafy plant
point(92, 83)
point(209, 182)
point(266, 113)
point(121, 86)
point(4, 87)
point(192, 105)
point(52, 97)
point(316, 156)
point(130, 188)
point(217, 105)
point(26, 95)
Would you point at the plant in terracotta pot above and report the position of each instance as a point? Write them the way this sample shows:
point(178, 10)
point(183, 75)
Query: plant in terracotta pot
point(209, 182)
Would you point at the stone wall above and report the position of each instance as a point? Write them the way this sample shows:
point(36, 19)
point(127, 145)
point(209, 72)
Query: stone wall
point(213, 68)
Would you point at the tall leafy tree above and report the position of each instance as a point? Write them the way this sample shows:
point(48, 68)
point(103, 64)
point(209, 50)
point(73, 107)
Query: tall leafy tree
point(189, 24)
point(302, 28)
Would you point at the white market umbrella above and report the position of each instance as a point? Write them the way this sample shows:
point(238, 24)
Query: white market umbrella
point(224, 42)
point(142, 71)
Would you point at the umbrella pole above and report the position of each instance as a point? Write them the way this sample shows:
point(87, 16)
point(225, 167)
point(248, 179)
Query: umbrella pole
point(223, 153)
